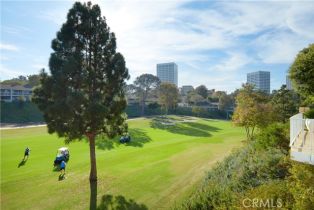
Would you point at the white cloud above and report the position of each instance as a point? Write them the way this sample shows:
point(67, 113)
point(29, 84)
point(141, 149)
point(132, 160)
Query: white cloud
point(234, 62)
point(149, 32)
point(9, 47)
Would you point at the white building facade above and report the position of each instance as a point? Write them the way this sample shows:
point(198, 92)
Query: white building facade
point(168, 72)
point(260, 80)
point(12, 93)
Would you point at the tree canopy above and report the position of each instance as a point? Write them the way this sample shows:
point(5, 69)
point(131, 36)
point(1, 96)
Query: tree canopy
point(302, 73)
point(202, 91)
point(143, 85)
point(253, 110)
point(285, 103)
point(168, 95)
point(83, 95)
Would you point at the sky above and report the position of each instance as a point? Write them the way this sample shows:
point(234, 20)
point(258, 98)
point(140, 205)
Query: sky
point(214, 43)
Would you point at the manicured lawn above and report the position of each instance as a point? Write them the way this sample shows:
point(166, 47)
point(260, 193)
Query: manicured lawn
point(157, 169)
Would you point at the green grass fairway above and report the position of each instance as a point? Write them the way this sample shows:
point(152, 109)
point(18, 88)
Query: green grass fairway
point(157, 169)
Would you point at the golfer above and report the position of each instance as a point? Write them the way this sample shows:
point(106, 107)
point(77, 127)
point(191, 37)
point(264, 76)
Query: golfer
point(62, 167)
point(26, 153)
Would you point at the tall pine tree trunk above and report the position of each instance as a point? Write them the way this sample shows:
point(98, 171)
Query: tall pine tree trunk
point(93, 169)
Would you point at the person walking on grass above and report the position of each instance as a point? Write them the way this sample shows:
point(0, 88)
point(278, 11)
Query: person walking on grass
point(62, 168)
point(26, 154)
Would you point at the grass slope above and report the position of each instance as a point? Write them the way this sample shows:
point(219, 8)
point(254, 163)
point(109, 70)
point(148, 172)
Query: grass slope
point(159, 167)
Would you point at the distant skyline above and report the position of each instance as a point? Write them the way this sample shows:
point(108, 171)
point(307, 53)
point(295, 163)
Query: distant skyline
point(213, 43)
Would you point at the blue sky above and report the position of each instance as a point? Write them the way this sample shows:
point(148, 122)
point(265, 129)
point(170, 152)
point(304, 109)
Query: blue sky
point(213, 43)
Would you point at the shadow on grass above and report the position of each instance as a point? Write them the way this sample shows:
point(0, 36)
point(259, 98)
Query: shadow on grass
point(183, 128)
point(138, 139)
point(119, 203)
point(22, 163)
point(202, 126)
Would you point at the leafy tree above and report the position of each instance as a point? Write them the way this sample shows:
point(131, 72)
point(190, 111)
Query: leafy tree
point(168, 95)
point(198, 111)
point(252, 110)
point(225, 102)
point(285, 103)
point(144, 85)
point(84, 96)
point(202, 91)
point(302, 73)
point(21, 80)
point(33, 80)
point(274, 135)
point(194, 98)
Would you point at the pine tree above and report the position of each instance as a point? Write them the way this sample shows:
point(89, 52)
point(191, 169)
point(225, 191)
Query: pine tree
point(83, 95)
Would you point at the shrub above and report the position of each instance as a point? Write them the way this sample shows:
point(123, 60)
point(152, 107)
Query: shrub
point(273, 194)
point(229, 180)
point(275, 135)
point(309, 114)
point(301, 185)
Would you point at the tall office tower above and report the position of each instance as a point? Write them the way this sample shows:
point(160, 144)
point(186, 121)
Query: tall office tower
point(260, 80)
point(168, 72)
point(288, 83)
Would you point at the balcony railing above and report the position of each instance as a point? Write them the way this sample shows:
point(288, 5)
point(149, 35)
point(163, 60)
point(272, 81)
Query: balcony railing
point(302, 138)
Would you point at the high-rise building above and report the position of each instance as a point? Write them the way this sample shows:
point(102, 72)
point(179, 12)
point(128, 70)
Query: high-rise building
point(260, 80)
point(288, 83)
point(168, 72)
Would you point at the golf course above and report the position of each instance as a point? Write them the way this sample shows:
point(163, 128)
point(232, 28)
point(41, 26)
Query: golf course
point(163, 163)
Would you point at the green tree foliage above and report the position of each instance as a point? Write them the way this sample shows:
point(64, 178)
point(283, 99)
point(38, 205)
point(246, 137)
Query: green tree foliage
point(198, 111)
point(271, 195)
point(275, 135)
point(202, 91)
point(33, 80)
point(225, 102)
point(21, 80)
point(301, 185)
point(285, 103)
point(194, 98)
point(144, 85)
point(168, 95)
point(309, 114)
point(84, 96)
point(302, 73)
point(252, 111)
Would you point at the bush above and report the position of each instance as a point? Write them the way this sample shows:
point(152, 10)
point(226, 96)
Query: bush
point(273, 194)
point(275, 135)
point(20, 112)
point(301, 185)
point(241, 171)
point(309, 114)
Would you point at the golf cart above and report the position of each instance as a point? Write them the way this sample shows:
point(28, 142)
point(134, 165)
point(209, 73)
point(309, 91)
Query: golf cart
point(125, 138)
point(63, 154)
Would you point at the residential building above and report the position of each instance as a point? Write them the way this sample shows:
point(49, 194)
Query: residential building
point(260, 80)
point(185, 89)
point(288, 83)
point(11, 93)
point(168, 72)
